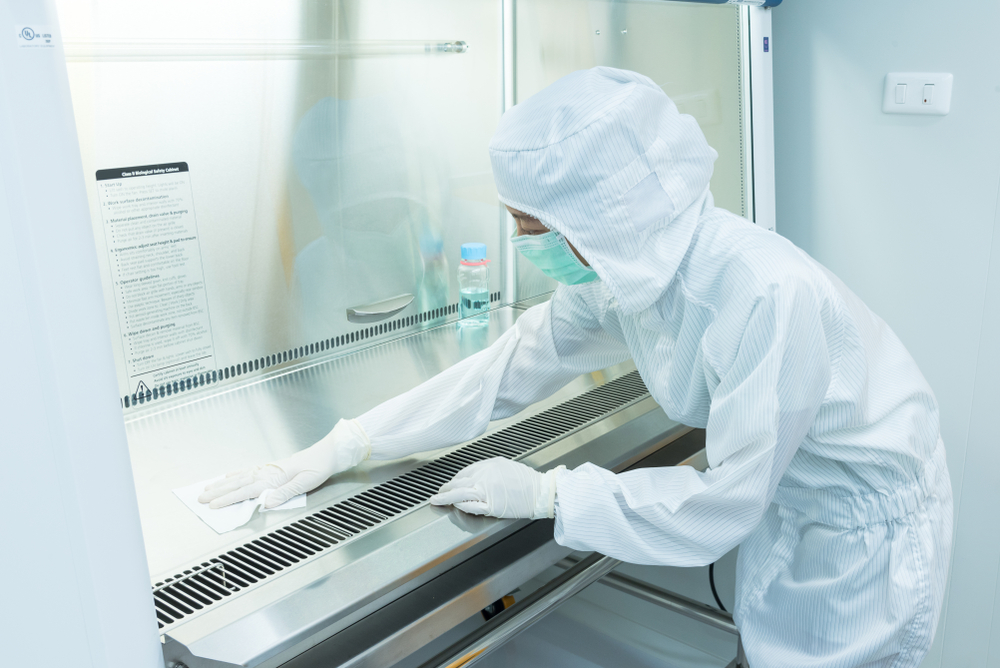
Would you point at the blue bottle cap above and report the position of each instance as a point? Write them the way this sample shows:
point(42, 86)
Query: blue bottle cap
point(473, 252)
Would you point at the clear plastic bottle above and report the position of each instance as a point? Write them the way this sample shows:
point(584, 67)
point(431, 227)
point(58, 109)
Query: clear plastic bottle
point(474, 286)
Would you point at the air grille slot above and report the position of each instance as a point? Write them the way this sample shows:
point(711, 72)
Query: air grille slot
point(195, 589)
point(144, 394)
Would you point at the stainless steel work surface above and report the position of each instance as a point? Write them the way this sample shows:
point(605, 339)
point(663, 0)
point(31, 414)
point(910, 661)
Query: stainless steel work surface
point(267, 625)
point(271, 418)
point(258, 622)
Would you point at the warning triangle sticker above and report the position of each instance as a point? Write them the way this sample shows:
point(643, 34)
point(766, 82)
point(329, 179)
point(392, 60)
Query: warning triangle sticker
point(141, 390)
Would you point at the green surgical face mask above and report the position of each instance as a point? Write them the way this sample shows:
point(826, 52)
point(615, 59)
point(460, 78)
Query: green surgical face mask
point(551, 253)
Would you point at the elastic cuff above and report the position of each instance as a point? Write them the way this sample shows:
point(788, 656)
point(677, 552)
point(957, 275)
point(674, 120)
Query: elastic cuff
point(350, 445)
point(546, 499)
point(362, 436)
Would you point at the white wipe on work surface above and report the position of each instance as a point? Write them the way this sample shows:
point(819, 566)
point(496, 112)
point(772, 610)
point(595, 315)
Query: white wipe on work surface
point(232, 516)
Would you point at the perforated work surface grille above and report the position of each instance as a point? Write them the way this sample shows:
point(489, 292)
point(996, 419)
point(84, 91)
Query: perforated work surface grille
point(213, 581)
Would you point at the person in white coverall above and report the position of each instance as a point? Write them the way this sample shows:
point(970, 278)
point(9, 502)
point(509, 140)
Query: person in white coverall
point(825, 460)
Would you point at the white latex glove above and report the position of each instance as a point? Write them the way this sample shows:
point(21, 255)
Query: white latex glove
point(501, 488)
point(346, 446)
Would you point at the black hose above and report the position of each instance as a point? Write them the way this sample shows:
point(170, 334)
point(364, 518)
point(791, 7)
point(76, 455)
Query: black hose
point(711, 581)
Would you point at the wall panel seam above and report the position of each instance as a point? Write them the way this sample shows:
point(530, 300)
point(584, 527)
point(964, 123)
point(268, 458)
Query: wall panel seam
point(957, 510)
point(989, 271)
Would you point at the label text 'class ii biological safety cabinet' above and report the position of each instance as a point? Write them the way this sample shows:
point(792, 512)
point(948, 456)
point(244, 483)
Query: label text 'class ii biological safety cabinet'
point(151, 236)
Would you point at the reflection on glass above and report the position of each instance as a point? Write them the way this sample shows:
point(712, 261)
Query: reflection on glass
point(337, 153)
point(375, 216)
point(336, 159)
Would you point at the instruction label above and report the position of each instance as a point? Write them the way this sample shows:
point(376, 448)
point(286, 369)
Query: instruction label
point(156, 271)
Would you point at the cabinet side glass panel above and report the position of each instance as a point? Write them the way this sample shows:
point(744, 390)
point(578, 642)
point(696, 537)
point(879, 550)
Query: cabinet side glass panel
point(692, 51)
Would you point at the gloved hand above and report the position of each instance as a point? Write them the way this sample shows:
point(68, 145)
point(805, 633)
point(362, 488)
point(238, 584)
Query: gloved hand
point(346, 446)
point(501, 488)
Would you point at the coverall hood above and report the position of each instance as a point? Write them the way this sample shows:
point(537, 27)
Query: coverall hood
point(604, 157)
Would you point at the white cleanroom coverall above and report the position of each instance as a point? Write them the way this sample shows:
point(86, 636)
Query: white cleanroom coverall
point(826, 463)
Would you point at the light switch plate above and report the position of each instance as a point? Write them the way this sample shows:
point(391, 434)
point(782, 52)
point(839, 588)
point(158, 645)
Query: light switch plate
point(937, 102)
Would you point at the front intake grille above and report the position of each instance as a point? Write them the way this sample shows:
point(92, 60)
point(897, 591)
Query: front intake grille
point(212, 581)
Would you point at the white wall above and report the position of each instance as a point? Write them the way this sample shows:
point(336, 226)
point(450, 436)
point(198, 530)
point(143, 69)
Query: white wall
point(904, 209)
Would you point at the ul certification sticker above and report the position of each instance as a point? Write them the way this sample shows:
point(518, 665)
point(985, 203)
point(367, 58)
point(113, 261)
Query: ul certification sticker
point(35, 37)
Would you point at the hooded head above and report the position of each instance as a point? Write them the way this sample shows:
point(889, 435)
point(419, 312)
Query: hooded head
point(604, 157)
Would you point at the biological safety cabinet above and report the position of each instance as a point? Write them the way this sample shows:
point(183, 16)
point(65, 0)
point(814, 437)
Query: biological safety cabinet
point(260, 205)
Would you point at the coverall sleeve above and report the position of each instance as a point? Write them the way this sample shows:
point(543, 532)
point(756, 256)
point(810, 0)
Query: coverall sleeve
point(548, 346)
point(761, 410)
